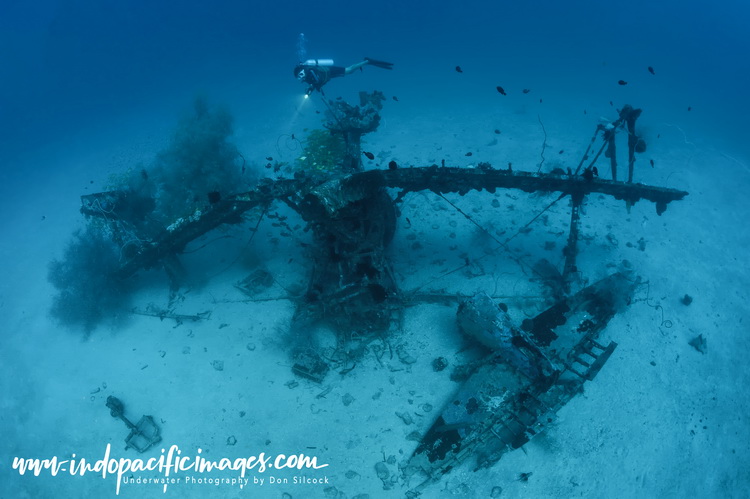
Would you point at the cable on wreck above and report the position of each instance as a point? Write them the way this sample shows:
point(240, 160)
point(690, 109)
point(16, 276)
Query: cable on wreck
point(255, 231)
point(503, 245)
point(544, 144)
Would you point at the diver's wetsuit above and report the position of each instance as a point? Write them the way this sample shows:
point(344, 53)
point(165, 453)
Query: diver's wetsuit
point(317, 76)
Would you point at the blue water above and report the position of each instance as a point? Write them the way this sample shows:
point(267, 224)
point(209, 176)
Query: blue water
point(70, 63)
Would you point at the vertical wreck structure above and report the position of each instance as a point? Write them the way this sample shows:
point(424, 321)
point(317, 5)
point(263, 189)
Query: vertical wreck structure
point(352, 223)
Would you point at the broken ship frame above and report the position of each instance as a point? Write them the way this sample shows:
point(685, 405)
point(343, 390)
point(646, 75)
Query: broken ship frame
point(501, 405)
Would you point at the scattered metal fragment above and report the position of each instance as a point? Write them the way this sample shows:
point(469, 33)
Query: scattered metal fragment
point(404, 356)
point(153, 310)
point(309, 365)
point(699, 343)
point(143, 435)
point(405, 417)
point(258, 281)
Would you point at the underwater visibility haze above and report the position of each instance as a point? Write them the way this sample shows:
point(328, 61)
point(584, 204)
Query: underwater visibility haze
point(374, 249)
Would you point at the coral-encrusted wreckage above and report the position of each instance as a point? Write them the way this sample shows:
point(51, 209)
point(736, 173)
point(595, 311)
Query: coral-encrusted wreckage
point(533, 369)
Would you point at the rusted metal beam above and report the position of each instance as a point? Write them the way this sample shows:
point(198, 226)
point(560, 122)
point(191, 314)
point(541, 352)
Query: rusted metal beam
point(336, 192)
point(463, 180)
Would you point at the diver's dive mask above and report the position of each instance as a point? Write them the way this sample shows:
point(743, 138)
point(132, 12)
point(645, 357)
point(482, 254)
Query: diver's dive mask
point(301, 75)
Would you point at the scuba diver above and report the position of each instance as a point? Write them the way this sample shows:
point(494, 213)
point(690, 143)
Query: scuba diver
point(318, 72)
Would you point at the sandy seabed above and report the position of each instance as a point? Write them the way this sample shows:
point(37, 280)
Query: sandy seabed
point(660, 420)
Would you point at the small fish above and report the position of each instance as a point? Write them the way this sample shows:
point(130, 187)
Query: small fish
point(524, 477)
point(584, 112)
point(501, 90)
point(369, 155)
point(269, 158)
point(651, 70)
point(459, 70)
point(610, 103)
point(561, 151)
point(652, 162)
point(409, 222)
point(690, 108)
point(540, 101)
point(622, 82)
point(395, 98)
point(497, 131)
point(526, 90)
point(392, 165)
point(467, 154)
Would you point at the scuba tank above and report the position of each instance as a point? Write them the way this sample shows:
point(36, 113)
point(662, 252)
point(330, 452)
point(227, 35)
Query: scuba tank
point(318, 62)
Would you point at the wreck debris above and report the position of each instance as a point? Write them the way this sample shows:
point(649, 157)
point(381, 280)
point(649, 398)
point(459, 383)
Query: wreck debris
point(405, 417)
point(352, 122)
point(347, 399)
point(699, 343)
point(483, 321)
point(153, 310)
point(404, 356)
point(143, 435)
point(627, 116)
point(258, 281)
point(635, 143)
point(500, 408)
point(308, 364)
point(571, 250)
point(383, 474)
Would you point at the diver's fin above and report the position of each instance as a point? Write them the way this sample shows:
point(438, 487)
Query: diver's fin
point(379, 64)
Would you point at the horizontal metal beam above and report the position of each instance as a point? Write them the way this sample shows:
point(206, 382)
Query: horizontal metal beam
point(334, 193)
